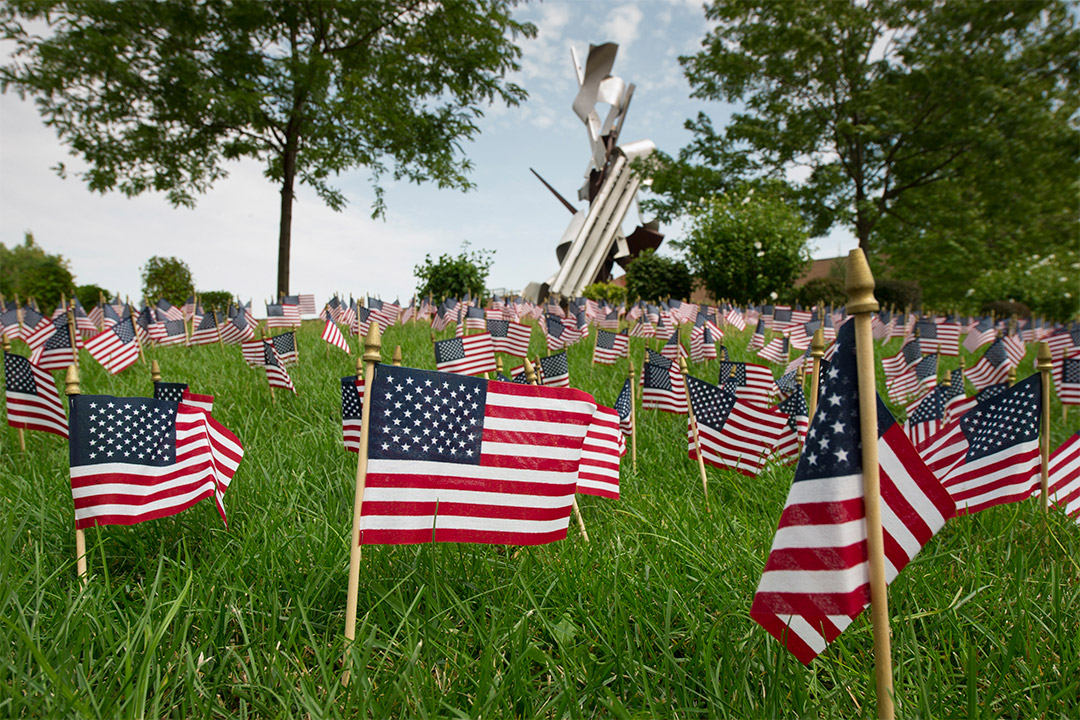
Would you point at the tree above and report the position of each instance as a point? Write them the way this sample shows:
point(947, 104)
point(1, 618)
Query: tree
point(912, 122)
point(217, 300)
point(90, 295)
point(611, 292)
point(159, 96)
point(653, 277)
point(746, 247)
point(454, 277)
point(28, 271)
point(168, 278)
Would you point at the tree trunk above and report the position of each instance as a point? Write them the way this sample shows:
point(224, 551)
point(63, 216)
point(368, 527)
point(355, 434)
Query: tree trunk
point(288, 166)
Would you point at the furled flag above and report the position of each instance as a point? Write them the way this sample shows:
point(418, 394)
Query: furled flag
point(610, 347)
point(179, 392)
point(472, 355)
point(170, 311)
point(554, 370)
point(136, 459)
point(798, 420)
point(510, 337)
point(276, 374)
point(348, 313)
point(909, 355)
point(238, 330)
point(753, 383)
point(56, 352)
point(733, 433)
point(361, 322)
point(757, 340)
point(114, 348)
point(776, 351)
point(993, 367)
point(31, 397)
point(290, 307)
point(673, 349)
point(910, 385)
point(332, 335)
point(939, 337)
point(285, 348)
point(991, 455)
point(979, 334)
point(352, 405)
point(1064, 477)
point(817, 580)
point(703, 339)
point(623, 406)
point(598, 473)
point(663, 386)
point(206, 332)
point(642, 329)
point(307, 304)
point(494, 463)
point(1066, 373)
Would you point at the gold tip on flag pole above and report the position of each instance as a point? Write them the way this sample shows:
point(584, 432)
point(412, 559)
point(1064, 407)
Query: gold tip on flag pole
point(155, 371)
point(530, 372)
point(71, 388)
point(817, 351)
point(372, 356)
point(861, 305)
point(694, 428)
point(1045, 364)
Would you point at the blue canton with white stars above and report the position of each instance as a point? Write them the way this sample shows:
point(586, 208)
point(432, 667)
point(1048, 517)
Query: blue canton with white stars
point(711, 405)
point(173, 392)
point(995, 354)
point(60, 338)
point(912, 351)
point(555, 365)
point(498, 328)
point(106, 429)
point(605, 339)
point(351, 406)
point(449, 350)
point(736, 378)
point(930, 407)
point(655, 358)
point(622, 403)
point(656, 377)
point(427, 416)
point(18, 376)
point(1070, 371)
point(1010, 418)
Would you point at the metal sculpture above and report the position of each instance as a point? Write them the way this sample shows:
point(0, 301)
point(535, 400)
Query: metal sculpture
point(594, 241)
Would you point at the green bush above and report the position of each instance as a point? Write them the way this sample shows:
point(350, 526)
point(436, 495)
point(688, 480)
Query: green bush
point(90, 295)
point(28, 271)
point(215, 300)
point(451, 276)
point(899, 294)
point(830, 290)
point(168, 278)
point(611, 292)
point(653, 277)
point(1047, 285)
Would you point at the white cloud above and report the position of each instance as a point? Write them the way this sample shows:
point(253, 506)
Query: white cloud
point(621, 25)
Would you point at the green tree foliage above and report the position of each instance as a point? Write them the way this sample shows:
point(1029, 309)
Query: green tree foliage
point(159, 96)
point(940, 133)
point(454, 277)
point(90, 295)
point(28, 271)
point(168, 278)
point(898, 294)
point(829, 290)
point(1049, 285)
point(215, 300)
point(746, 246)
point(653, 277)
point(611, 292)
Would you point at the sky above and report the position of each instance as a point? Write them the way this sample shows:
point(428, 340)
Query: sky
point(229, 239)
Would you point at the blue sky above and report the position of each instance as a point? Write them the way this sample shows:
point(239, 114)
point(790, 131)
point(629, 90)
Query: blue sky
point(230, 238)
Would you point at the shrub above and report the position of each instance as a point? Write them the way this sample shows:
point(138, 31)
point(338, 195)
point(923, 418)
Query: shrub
point(28, 271)
point(830, 290)
point(653, 277)
point(451, 276)
point(168, 278)
point(611, 292)
point(899, 294)
point(90, 295)
point(215, 300)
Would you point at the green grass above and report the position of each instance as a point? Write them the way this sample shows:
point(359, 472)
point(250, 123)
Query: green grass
point(184, 618)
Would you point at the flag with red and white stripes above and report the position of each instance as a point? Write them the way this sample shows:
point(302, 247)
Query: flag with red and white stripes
point(332, 335)
point(662, 385)
point(470, 355)
point(114, 348)
point(136, 459)
point(31, 397)
point(1064, 477)
point(352, 405)
point(816, 580)
point(276, 374)
point(510, 337)
point(610, 346)
point(307, 304)
point(604, 444)
point(733, 433)
point(495, 462)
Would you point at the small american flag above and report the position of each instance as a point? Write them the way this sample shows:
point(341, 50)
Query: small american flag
point(598, 473)
point(610, 347)
point(623, 406)
point(285, 348)
point(673, 349)
point(276, 317)
point(798, 415)
point(915, 382)
point(470, 355)
point(332, 335)
point(56, 352)
point(776, 351)
point(979, 334)
point(733, 434)
point(352, 406)
point(276, 374)
point(993, 367)
point(307, 304)
point(1066, 372)
point(179, 392)
point(663, 387)
point(31, 397)
point(909, 355)
point(207, 332)
point(927, 418)
point(237, 330)
point(554, 370)
point(753, 383)
point(114, 348)
point(290, 306)
point(939, 337)
point(170, 311)
point(510, 337)
point(1064, 477)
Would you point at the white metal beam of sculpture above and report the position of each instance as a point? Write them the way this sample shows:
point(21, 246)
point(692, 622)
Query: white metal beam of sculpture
point(591, 234)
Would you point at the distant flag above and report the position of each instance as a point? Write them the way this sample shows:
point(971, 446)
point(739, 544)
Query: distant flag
point(276, 374)
point(510, 337)
point(187, 309)
point(673, 348)
point(276, 317)
point(285, 347)
point(554, 370)
point(386, 313)
point(556, 333)
point(750, 382)
point(909, 355)
point(939, 337)
point(703, 339)
point(332, 335)
point(168, 332)
point(817, 580)
point(307, 304)
point(170, 311)
point(623, 406)
point(733, 433)
point(238, 330)
point(38, 329)
point(642, 329)
point(135, 459)
point(500, 480)
point(31, 397)
point(352, 404)
point(361, 322)
point(980, 334)
point(776, 351)
point(473, 319)
point(757, 340)
point(206, 332)
point(598, 473)
point(56, 352)
point(179, 392)
point(798, 414)
point(663, 386)
point(927, 418)
point(1066, 375)
point(610, 347)
point(115, 348)
point(735, 318)
point(993, 367)
point(470, 355)
point(9, 320)
point(252, 352)
point(955, 401)
point(1064, 477)
point(290, 307)
point(910, 385)
point(83, 324)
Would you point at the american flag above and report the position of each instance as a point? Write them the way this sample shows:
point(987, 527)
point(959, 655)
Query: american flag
point(97, 315)
point(623, 406)
point(335, 309)
point(1015, 349)
point(939, 337)
point(170, 311)
point(56, 352)
point(290, 306)
point(196, 315)
point(956, 399)
point(206, 332)
point(909, 355)
point(31, 397)
point(735, 318)
point(558, 334)
point(753, 383)
point(776, 351)
point(114, 348)
point(238, 330)
point(879, 325)
point(993, 367)
point(673, 349)
point(275, 316)
point(168, 332)
point(733, 433)
point(781, 318)
point(285, 347)
point(757, 340)
point(927, 418)
point(136, 459)
point(352, 406)
point(510, 337)
point(798, 420)
point(1064, 477)
point(1066, 372)
point(663, 386)
point(598, 473)
point(991, 455)
point(554, 370)
point(307, 304)
point(609, 321)
point(472, 355)
point(458, 459)
point(179, 392)
point(109, 317)
point(361, 323)
point(472, 318)
point(83, 324)
point(38, 329)
point(642, 329)
point(703, 339)
point(332, 335)
point(276, 374)
point(910, 385)
point(816, 580)
point(9, 320)
point(980, 334)
point(610, 347)
point(386, 314)
point(348, 313)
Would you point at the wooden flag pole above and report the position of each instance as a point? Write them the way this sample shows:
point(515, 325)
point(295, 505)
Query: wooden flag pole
point(218, 326)
point(396, 361)
point(366, 364)
point(862, 304)
point(1045, 364)
point(71, 388)
point(499, 366)
point(22, 435)
point(71, 332)
point(694, 428)
point(817, 351)
point(262, 339)
point(633, 418)
point(135, 330)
